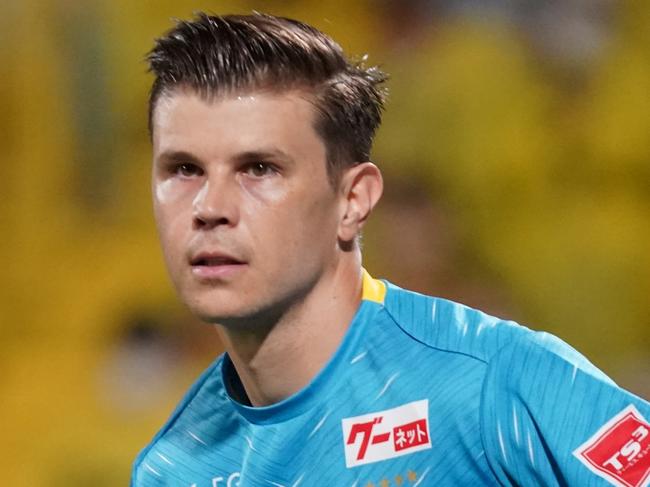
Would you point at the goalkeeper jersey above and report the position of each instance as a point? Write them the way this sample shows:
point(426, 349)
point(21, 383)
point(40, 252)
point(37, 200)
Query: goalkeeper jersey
point(421, 392)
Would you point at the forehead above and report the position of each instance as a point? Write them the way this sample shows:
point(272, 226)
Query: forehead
point(184, 120)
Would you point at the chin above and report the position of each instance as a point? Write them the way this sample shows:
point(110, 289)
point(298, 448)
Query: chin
point(218, 314)
point(224, 312)
point(236, 309)
point(238, 315)
point(213, 305)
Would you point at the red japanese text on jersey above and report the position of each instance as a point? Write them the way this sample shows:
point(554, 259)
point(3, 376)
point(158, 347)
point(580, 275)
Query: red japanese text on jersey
point(386, 434)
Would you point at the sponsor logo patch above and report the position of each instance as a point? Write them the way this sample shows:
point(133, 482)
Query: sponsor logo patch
point(619, 452)
point(386, 434)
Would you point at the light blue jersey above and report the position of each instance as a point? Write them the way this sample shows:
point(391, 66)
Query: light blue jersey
point(421, 392)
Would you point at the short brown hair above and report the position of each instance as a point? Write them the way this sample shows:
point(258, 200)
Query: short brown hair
point(216, 55)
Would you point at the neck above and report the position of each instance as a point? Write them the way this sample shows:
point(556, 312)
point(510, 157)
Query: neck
point(277, 360)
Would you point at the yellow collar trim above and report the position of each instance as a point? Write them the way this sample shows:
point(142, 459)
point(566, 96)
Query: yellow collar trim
point(373, 289)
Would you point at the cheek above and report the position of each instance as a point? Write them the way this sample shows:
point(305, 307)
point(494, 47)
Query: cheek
point(172, 213)
point(162, 191)
point(300, 221)
point(270, 210)
point(269, 193)
point(320, 210)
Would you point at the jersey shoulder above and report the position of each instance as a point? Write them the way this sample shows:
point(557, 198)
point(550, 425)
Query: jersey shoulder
point(450, 326)
point(457, 328)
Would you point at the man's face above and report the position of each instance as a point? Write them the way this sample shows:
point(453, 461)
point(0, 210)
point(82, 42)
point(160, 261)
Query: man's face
point(246, 214)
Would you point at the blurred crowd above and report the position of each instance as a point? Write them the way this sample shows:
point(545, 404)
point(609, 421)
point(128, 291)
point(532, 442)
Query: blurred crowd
point(516, 152)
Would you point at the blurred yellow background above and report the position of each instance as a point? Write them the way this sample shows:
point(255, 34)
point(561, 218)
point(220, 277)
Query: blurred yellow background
point(516, 148)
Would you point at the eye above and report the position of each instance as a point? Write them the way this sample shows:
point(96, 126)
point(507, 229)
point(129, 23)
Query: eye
point(259, 169)
point(187, 170)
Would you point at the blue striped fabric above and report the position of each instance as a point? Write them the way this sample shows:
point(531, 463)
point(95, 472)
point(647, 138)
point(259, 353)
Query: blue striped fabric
point(438, 394)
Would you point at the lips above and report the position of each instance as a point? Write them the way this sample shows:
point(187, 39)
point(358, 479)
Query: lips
point(212, 259)
point(215, 266)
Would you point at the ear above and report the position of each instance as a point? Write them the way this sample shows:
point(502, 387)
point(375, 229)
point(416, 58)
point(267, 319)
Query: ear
point(361, 187)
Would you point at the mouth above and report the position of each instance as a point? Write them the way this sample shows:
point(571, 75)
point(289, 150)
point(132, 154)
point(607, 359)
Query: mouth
point(215, 266)
point(213, 260)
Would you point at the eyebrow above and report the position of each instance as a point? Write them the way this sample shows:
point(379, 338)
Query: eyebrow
point(177, 156)
point(265, 153)
point(249, 155)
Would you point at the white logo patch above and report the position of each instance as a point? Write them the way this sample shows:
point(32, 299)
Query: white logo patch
point(386, 434)
point(619, 451)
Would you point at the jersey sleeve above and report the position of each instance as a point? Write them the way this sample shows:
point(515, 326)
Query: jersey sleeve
point(551, 418)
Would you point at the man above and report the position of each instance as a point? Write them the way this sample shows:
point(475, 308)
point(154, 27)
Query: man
point(261, 136)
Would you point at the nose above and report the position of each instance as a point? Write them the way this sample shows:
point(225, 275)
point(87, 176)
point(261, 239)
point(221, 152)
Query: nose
point(214, 205)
